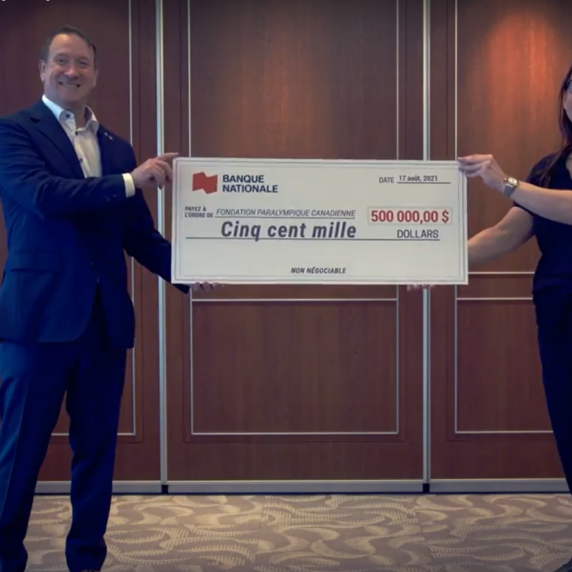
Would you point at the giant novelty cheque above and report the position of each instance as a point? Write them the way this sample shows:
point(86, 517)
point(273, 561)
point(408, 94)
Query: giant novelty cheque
point(279, 221)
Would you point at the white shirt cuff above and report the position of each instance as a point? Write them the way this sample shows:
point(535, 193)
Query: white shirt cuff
point(129, 184)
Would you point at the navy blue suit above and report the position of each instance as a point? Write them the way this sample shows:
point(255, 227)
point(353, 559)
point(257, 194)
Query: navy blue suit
point(66, 320)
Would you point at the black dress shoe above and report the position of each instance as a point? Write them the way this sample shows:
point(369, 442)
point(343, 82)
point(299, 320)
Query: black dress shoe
point(565, 568)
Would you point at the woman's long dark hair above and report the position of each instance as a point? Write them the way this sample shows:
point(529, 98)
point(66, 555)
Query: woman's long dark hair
point(545, 174)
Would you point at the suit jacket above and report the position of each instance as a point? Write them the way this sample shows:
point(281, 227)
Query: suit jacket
point(67, 234)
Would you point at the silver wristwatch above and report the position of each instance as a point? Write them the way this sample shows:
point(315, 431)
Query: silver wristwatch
point(510, 184)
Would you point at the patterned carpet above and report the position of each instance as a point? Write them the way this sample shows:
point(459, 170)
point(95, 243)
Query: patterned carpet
point(345, 533)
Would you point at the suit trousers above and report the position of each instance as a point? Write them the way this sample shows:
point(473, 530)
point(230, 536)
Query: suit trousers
point(90, 374)
point(554, 324)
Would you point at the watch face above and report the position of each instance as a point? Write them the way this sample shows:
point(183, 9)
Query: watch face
point(510, 186)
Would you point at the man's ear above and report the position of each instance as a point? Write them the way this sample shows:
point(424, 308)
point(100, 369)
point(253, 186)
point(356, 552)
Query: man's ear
point(42, 69)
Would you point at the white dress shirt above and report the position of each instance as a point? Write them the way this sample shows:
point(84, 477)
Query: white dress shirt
point(84, 140)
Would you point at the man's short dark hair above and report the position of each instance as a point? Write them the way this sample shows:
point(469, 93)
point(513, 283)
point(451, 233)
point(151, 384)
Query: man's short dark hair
point(70, 31)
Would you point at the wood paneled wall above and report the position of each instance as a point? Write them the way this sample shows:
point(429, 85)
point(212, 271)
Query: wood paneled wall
point(125, 101)
point(497, 68)
point(285, 384)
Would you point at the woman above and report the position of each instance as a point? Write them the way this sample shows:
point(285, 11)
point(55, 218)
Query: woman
point(542, 207)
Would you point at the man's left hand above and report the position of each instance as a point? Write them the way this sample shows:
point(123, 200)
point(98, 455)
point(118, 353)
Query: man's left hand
point(205, 286)
point(486, 167)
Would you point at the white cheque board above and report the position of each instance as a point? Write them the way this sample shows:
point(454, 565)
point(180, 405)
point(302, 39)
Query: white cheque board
point(281, 221)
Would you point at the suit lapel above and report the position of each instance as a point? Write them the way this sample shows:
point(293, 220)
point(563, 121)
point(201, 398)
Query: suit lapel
point(54, 132)
point(105, 140)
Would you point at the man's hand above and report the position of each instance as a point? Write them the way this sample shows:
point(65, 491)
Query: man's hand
point(154, 173)
point(205, 286)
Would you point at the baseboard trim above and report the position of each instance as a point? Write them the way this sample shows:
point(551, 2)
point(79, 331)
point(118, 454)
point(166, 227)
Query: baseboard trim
point(453, 486)
point(294, 487)
point(119, 487)
point(531, 486)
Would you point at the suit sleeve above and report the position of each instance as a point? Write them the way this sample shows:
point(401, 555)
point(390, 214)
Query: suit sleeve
point(144, 242)
point(25, 178)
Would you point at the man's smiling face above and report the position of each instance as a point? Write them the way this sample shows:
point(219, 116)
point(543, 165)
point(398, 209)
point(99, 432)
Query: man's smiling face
point(69, 74)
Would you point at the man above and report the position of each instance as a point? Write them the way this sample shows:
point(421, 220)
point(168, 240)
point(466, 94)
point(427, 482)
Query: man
point(72, 204)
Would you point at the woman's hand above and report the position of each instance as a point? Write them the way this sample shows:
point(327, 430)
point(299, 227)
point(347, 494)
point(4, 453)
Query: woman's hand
point(486, 167)
point(411, 287)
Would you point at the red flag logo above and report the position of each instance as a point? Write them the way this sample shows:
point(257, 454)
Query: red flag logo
point(203, 183)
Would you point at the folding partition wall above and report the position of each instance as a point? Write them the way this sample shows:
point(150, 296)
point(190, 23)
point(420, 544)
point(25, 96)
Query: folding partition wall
point(308, 389)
